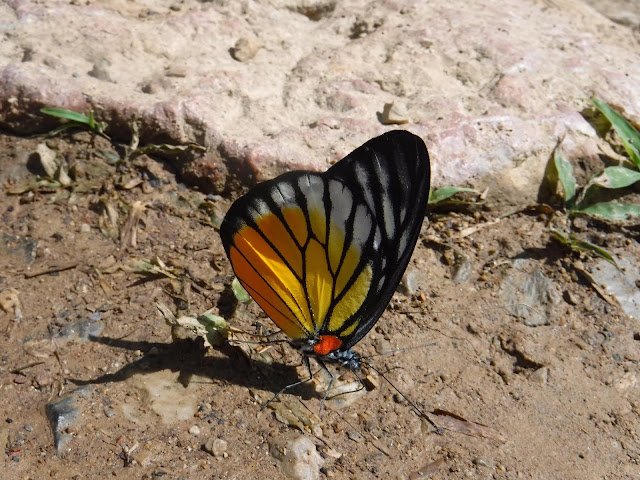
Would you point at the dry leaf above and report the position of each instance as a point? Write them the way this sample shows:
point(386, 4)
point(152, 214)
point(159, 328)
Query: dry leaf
point(427, 470)
point(9, 301)
point(128, 235)
point(455, 423)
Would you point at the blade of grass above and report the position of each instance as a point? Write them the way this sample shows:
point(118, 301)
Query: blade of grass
point(575, 243)
point(447, 192)
point(67, 114)
point(629, 135)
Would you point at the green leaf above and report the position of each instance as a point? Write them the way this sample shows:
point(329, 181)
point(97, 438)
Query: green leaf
point(616, 177)
point(574, 243)
point(565, 175)
point(629, 135)
point(61, 128)
point(611, 210)
point(446, 192)
point(67, 114)
point(216, 328)
point(239, 292)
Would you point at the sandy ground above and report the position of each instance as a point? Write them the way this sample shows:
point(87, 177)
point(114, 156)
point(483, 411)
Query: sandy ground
point(543, 384)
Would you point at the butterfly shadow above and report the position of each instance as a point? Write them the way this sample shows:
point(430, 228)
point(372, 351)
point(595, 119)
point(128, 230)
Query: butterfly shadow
point(188, 357)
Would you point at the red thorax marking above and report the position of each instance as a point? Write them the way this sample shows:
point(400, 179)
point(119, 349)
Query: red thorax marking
point(327, 344)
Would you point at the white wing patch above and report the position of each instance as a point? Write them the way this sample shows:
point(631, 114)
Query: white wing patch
point(362, 224)
point(341, 204)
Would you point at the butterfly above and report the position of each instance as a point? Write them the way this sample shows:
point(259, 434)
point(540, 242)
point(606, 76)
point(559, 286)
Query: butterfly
point(322, 253)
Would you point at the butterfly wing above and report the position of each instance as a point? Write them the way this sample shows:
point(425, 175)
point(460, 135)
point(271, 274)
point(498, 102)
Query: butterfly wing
point(322, 253)
point(391, 173)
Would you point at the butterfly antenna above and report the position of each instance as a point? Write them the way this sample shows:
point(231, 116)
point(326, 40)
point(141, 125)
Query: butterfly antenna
point(256, 342)
point(396, 350)
point(439, 430)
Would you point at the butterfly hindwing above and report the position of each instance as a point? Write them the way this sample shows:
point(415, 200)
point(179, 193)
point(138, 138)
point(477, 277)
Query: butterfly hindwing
point(322, 253)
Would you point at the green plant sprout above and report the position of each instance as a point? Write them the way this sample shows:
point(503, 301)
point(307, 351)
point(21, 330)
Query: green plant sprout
point(585, 200)
point(75, 120)
point(445, 193)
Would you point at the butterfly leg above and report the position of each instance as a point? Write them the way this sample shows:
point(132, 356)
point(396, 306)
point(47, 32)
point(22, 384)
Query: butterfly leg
point(360, 387)
point(288, 387)
point(331, 379)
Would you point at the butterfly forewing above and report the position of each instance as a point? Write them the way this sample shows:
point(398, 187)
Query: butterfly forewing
point(392, 176)
point(322, 253)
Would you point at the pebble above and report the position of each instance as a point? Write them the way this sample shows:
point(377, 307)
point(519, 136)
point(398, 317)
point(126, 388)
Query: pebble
point(481, 462)
point(540, 376)
point(245, 49)
point(109, 411)
point(371, 382)
point(20, 379)
point(28, 428)
point(298, 457)
point(462, 267)
point(216, 447)
point(143, 458)
point(571, 298)
point(64, 417)
point(195, 430)
point(394, 114)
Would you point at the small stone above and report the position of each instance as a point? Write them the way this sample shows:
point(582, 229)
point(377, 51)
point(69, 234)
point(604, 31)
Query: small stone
point(109, 411)
point(540, 376)
point(216, 447)
point(393, 114)
point(481, 462)
point(245, 49)
point(143, 458)
point(85, 227)
point(409, 283)
point(371, 382)
point(100, 70)
point(28, 428)
point(298, 457)
point(462, 267)
point(195, 430)
point(20, 379)
point(571, 298)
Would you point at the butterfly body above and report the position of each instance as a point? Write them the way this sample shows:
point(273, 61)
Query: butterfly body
point(322, 253)
point(327, 348)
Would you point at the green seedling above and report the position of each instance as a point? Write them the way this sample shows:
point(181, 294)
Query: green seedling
point(585, 200)
point(574, 243)
point(75, 120)
point(627, 133)
point(446, 193)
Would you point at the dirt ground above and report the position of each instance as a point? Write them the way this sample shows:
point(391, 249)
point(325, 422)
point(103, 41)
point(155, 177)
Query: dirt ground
point(559, 400)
